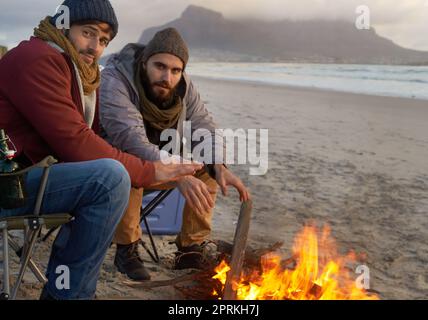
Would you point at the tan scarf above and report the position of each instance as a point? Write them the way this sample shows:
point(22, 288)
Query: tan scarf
point(90, 74)
point(158, 118)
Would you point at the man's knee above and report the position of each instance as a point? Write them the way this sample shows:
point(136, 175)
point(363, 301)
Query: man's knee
point(209, 182)
point(212, 186)
point(114, 185)
point(114, 174)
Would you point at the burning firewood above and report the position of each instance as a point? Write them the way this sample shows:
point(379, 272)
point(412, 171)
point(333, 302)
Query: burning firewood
point(252, 256)
point(318, 273)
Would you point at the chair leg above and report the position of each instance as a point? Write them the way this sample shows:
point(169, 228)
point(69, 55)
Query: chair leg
point(154, 255)
point(47, 235)
point(24, 261)
point(6, 285)
point(144, 212)
point(34, 268)
point(27, 233)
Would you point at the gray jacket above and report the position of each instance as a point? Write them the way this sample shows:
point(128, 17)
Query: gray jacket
point(122, 123)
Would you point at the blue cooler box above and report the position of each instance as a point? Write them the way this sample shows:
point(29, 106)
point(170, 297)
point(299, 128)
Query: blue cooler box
point(167, 217)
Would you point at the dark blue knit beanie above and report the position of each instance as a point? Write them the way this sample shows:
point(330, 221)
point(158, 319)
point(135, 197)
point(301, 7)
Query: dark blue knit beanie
point(81, 10)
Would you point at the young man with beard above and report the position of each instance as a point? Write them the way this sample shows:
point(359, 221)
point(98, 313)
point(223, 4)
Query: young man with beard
point(144, 90)
point(49, 106)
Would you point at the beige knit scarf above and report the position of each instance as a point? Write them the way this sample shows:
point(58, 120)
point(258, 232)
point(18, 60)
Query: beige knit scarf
point(90, 74)
point(159, 119)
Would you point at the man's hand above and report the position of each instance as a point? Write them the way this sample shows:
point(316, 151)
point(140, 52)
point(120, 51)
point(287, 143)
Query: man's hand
point(225, 177)
point(171, 172)
point(196, 193)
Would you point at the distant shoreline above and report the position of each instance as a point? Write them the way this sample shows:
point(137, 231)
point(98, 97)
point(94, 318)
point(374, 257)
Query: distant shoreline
point(202, 60)
point(303, 88)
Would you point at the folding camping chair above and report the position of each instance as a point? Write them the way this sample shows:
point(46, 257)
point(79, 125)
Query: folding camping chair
point(147, 210)
point(32, 225)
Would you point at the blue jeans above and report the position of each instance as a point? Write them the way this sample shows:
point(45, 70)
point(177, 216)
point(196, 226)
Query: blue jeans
point(96, 194)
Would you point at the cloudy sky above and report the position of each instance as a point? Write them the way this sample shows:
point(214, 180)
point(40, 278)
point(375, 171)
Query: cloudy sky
point(404, 22)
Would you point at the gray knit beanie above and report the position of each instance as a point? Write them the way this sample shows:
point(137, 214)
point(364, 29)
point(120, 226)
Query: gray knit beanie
point(81, 10)
point(167, 41)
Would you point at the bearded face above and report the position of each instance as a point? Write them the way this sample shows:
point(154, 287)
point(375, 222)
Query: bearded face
point(89, 39)
point(161, 75)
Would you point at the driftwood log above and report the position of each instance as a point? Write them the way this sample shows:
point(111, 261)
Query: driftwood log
point(238, 250)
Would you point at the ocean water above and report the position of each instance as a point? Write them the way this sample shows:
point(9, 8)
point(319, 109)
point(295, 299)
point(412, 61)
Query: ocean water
point(395, 81)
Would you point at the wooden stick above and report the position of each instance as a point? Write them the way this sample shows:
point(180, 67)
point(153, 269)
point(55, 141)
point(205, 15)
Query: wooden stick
point(238, 252)
point(164, 283)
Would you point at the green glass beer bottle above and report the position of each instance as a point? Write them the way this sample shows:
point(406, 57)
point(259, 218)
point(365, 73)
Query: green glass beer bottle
point(12, 187)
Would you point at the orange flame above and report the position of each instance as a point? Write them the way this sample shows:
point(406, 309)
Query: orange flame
point(320, 274)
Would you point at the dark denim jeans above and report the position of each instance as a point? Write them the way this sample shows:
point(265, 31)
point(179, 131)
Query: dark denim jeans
point(96, 194)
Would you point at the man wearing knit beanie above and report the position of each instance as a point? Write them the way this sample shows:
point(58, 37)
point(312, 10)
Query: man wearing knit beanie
point(84, 10)
point(144, 91)
point(89, 25)
point(167, 41)
point(49, 106)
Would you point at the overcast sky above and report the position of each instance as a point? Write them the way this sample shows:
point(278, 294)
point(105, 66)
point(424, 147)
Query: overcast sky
point(405, 22)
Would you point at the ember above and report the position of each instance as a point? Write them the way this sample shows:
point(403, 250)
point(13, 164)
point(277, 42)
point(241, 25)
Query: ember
point(319, 274)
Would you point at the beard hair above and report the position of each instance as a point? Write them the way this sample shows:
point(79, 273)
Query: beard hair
point(66, 33)
point(164, 102)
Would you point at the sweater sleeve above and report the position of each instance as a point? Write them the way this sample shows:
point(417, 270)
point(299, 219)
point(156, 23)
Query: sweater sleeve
point(44, 99)
point(121, 119)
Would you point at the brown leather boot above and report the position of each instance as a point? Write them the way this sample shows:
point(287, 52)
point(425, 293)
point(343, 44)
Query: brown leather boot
point(128, 261)
point(191, 257)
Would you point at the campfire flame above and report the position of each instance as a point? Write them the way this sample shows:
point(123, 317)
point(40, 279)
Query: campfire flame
point(320, 274)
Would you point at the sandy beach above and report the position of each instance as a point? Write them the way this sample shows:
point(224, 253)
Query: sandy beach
point(355, 162)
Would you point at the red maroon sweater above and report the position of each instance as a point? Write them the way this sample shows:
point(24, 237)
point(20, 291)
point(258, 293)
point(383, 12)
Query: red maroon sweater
point(41, 111)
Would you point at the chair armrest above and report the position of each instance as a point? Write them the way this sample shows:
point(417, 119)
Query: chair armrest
point(45, 163)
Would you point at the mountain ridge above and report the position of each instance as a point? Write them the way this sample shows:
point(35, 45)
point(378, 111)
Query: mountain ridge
point(213, 37)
